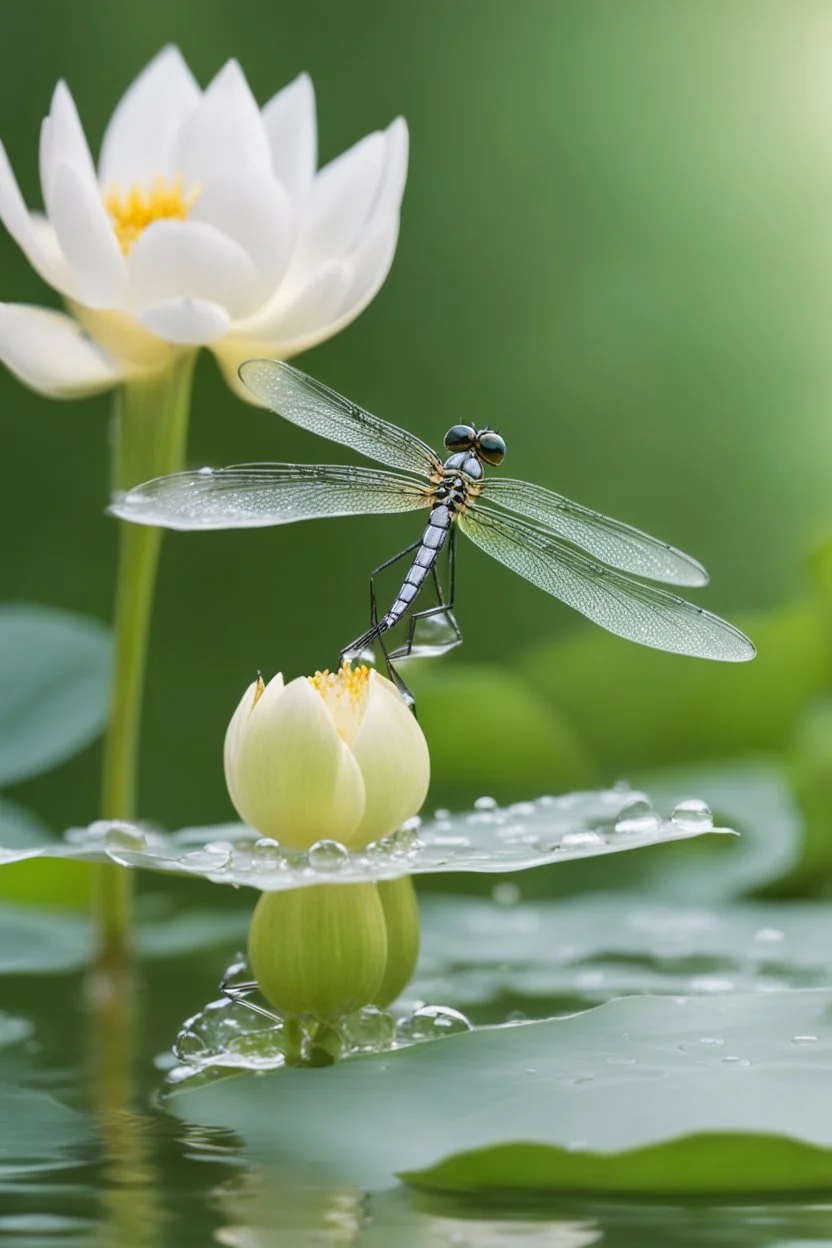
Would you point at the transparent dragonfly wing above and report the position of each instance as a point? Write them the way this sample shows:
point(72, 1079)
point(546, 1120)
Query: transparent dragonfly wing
point(611, 541)
point(250, 496)
point(312, 405)
point(639, 612)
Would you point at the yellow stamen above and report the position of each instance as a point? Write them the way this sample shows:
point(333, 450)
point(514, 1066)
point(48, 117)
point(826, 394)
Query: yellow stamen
point(132, 213)
point(345, 694)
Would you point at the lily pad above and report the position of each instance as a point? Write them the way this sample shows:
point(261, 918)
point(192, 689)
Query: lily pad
point(487, 839)
point(39, 940)
point(54, 676)
point(549, 956)
point(641, 1095)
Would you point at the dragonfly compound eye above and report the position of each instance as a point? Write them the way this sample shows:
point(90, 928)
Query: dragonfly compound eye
point(460, 438)
point(492, 447)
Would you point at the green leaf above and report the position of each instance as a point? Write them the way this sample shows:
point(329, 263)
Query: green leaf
point(753, 796)
point(54, 674)
point(648, 1095)
point(39, 881)
point(549, 956)
point(34, 1128)
point(637, 709)
point(38, 940)
point(487, 839)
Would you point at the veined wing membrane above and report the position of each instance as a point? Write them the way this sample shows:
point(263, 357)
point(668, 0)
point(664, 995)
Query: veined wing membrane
point(313, 406)
point(250, 496)
point(627, 607)
point(614, 543)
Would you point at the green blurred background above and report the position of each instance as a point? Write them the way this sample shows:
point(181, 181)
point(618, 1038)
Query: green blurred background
point(616, 246)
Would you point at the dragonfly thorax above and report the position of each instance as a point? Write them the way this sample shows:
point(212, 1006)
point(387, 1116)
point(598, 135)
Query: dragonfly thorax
point(464, 461)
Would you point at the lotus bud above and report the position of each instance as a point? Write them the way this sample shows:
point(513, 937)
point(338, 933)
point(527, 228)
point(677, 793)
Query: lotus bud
point(334, 756)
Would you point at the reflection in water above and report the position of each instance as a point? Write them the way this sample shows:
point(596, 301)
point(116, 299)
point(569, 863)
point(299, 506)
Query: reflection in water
point(116, 1171)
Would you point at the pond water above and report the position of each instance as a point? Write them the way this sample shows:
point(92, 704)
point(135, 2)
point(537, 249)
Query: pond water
point(90, 1153)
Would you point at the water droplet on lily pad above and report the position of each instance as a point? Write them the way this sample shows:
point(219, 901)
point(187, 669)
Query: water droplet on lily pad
point(804, 1039)
point(581, 840)
point(212, 858)
point(692, 815)
point(431, 1022)
point(267, 854)
point(124, 836)
point(485, 803)
point(328, 856)
point(637, 817)
point(368, 1031)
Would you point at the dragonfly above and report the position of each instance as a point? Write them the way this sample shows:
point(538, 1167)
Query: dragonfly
point(599, 566)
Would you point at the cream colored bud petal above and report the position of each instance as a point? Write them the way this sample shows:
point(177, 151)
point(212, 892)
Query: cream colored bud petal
point(392, 752)
point(294, 778)
point(238, 721)
point(319, 951)
point(401, 918)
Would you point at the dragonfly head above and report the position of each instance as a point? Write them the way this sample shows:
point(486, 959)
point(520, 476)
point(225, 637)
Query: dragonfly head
point(486, 445)
point(490, 447)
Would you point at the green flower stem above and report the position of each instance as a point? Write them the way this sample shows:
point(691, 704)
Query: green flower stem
point(151, 425)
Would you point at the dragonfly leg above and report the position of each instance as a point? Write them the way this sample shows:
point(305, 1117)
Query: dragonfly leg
point(238, 993)
point(355, 647)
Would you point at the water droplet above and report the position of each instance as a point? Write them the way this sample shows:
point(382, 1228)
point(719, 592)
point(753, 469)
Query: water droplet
point(370, 1030)
point(431, 1022)
point(189, 1047)
point(205, 472)
point(328, 856)
point(516, 1016)
point(212, 858)
point(637, 817)
point(692, 815)
point(405, 842)
point(124, 836)
point(769, 935)
point(267, 854)
point(581, 840)
point(485, 803)
point(711, 1040)
point(451, 842)
point(441, 812)
point(506, 893)
point(712, 984)
point(730, 1060)
point(524, 809)
point(804, 1039)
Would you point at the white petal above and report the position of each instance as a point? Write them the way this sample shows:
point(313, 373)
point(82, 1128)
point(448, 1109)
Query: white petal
point(235, 728)
point(188, 322)
point(225, 131)
point(294, 778)
point(37, 244)
point(172, 259)
point(392, 752)
point(342, 198)
point(252, 208)
point(282, 321)
point(289, 118)
point(63, 142)
point(396, 141)
point(139, 140)
point(124, 339)
point(48, 351)
point(87, 239)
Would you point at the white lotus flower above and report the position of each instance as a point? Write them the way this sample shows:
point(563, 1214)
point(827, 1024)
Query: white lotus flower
point(205, 224)
point(334, 756)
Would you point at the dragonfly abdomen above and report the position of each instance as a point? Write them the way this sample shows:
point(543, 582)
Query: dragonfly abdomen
point(433, 539)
